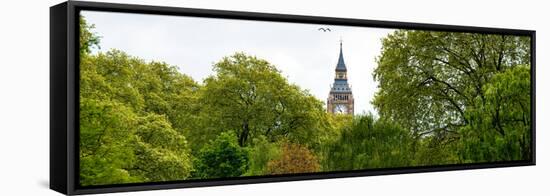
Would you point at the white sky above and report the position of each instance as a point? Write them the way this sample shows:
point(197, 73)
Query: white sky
point(306, 56)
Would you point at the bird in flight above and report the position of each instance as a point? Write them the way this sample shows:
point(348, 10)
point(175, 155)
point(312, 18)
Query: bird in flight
point(324, 29)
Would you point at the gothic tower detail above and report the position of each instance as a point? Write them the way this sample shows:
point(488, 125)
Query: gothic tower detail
point(340, 98)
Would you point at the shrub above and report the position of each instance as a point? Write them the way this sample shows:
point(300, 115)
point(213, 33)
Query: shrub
point(294, 159)
point(222, 157)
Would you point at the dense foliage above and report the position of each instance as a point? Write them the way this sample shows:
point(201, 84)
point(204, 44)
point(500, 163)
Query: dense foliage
point(250, 96)
point(428, 79)
point(443, 98)
point(293, 159)
point(126, 134)
point(261, 153)
point(464, 97)
point(222, 157)
point(370, 143)
point(499, 127)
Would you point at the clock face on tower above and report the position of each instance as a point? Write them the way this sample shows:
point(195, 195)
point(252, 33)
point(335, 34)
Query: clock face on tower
point(340, 109)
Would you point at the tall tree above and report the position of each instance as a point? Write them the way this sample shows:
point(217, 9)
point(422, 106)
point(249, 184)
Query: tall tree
point(427, 79)
point(500, 125)
point(250, 96)
point(123, 129)
point(126, 117)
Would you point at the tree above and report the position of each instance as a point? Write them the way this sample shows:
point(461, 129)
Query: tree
point(261, 152)
point(87, 38)
point(118, 129)
point(369, 143)
point(294, 158)
point(126, 117)
point(430, 151)
point(161, 152)
point(500, 125)
point(222, 157)
point(331, 130)
point(118, 146)
point(250, 96)
point(428, 79)
point(105, 134)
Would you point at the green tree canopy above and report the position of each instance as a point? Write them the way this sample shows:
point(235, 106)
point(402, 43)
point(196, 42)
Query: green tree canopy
point(127, 114)
point(261, 153)
point(106, 131)
point(427, 79)
point(250, 96)
point(369, 143)
point(122, 128)
point(222, 157)
point(500, 125)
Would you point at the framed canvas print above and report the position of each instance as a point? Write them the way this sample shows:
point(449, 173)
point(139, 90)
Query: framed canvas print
point(147, 97)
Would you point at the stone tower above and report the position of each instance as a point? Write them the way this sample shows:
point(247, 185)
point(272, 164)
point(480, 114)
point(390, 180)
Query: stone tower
point(340, 98)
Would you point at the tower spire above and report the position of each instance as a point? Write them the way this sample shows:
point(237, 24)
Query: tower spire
point(341, 66)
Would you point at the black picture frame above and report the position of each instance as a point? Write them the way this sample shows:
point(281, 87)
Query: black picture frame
point(64, 94)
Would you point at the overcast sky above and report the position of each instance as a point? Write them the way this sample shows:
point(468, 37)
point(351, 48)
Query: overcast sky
point(305, 55)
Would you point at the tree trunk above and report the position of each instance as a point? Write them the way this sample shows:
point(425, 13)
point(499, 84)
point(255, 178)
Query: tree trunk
point(244, 134)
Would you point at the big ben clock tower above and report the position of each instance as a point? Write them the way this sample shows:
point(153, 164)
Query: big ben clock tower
point(340, 98)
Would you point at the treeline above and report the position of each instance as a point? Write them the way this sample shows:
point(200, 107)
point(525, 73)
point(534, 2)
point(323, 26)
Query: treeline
point(147, 122)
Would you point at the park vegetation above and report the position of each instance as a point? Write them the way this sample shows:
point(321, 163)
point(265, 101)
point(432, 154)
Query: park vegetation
point(443, 98)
